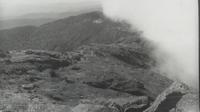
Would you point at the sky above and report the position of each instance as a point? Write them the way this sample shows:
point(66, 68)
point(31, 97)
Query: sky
point(12, 8)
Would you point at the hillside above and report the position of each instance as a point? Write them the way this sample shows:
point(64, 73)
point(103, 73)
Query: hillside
point(85, 63)
point(93, 78)
point(65, 34)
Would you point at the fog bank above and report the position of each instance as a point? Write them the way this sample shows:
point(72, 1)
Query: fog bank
point(172, 25)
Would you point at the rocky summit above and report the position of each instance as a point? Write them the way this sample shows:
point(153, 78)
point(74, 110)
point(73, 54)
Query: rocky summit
point(92, 76)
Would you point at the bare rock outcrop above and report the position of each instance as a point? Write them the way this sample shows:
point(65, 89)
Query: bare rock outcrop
point(123, 104)
point(188, 103)
point(176, 98)
point(41, 56)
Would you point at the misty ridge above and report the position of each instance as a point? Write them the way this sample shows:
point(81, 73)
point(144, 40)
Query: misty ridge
point(39, 18)
point(96, 59)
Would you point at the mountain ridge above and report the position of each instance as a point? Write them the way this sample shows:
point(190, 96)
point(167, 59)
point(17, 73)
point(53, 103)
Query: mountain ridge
point(67, 33)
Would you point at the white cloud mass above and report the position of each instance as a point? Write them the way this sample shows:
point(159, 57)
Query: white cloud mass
point(172, 25)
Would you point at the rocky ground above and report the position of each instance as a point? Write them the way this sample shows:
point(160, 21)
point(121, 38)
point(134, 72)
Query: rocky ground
point(114, 77)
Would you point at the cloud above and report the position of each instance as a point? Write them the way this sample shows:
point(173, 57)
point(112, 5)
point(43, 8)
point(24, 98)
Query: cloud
point(171, 25)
